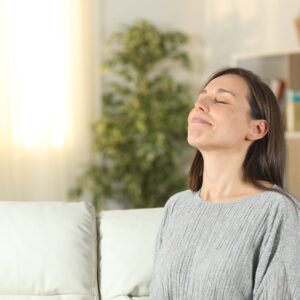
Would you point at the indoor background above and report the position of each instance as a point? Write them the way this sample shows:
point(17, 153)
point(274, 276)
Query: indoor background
point(51, 76)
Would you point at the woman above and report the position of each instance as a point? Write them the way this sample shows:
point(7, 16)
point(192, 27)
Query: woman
point(235, 233)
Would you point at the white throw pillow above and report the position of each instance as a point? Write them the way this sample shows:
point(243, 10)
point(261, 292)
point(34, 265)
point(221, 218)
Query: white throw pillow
point(127, 241)
point(48, 250)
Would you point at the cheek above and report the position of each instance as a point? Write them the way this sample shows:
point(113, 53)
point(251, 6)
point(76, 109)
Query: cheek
point(237, 125)
point(231, 121)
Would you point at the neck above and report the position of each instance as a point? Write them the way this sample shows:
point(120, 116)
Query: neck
point(223, 176)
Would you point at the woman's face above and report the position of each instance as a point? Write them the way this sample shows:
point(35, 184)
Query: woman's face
point(221, 118)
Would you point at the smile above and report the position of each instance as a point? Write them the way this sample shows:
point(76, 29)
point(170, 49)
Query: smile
point(198, 120)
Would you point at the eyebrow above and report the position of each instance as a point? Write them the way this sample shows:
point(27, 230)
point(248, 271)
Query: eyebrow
point(221, 90)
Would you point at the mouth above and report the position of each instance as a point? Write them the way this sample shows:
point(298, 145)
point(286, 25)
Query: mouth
point(198, 120)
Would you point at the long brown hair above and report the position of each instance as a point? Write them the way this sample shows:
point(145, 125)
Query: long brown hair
point(265, 159)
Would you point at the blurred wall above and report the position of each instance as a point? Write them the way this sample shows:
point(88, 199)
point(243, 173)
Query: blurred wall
point(219, 27)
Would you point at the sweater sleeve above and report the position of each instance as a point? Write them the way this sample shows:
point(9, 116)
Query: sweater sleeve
point(159, 236)
point(155, 283)
point(278, 271)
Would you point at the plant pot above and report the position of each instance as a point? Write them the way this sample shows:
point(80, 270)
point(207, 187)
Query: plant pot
point(297, 23)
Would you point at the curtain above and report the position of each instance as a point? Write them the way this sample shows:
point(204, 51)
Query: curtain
point(48, 92)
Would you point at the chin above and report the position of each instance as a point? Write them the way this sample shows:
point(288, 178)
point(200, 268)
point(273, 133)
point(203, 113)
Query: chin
point(202, 143)
point(194, 141)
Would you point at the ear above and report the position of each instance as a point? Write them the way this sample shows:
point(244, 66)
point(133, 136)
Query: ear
point(257, 130)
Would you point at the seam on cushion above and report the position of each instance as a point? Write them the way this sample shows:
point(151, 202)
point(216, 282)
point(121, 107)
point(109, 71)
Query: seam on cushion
point(95, 249)
point(98, 222)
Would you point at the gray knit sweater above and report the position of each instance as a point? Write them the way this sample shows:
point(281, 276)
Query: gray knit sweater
point(244, 249)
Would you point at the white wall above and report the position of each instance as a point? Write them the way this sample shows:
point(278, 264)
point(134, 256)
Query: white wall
point(174, 14)
point(219, 27)
point(247, 26)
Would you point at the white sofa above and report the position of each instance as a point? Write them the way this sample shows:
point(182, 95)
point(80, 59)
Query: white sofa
point(63, 251)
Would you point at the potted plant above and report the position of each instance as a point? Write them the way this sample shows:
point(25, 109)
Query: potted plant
point(141, 136)
point(297, 24)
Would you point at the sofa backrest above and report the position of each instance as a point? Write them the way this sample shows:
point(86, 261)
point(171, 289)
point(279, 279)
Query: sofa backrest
point(48, 250)
point(52, 250)
point(126, 250)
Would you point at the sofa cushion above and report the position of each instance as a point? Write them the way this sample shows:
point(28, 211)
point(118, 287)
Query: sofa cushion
point(127, 241)
point(48, 251)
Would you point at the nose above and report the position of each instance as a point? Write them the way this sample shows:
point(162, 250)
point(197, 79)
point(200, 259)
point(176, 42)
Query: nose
point(202, 105)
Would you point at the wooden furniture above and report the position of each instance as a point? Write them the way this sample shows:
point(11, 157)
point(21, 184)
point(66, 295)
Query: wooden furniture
point(284, 65)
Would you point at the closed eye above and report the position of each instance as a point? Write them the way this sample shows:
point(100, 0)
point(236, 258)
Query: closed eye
point(220, 101)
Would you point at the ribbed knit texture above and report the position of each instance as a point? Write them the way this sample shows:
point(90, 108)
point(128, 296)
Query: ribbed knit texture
point(243, 249)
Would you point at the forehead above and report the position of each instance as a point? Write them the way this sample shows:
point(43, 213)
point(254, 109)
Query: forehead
point(234, 83)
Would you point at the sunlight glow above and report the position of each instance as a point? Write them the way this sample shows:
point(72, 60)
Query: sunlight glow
point(37, 44)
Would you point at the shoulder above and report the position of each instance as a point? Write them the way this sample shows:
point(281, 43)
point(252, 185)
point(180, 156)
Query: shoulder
point(173, 203)
point(179, 198)
point(284, 199)
point(284, 205)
